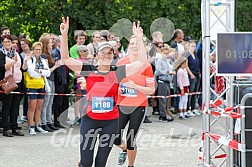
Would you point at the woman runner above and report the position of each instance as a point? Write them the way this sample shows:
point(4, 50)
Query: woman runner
point(100, 116)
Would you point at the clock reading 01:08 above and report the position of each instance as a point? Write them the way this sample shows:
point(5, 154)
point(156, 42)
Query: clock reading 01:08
point(233, 54)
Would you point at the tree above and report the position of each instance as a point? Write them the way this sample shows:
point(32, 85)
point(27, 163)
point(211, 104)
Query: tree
point(38, 16)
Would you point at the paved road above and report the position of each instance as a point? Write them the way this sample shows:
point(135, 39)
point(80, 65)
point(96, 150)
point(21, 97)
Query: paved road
point(159, 144)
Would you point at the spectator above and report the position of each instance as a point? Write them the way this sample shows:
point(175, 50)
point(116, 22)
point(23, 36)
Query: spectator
point(164, 72)
point(80, 101)
point(25, 47)
point(4, 31)
point(61, 80)
point(53, 36)
point(80, 37)
point(37, 69)
point(178, 39)
point(177, 44)
point(183, 85)
point(46, 112)
point(15, 43)
point(111, 36)
point(104, 35)
point(10, 64)
point(157, 37)
point(94, 43)
point(193, 70)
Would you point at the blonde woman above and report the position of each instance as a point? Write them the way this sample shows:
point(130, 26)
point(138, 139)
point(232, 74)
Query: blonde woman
point(37, 68)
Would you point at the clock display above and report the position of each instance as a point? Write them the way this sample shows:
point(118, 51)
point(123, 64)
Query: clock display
point(234, 53)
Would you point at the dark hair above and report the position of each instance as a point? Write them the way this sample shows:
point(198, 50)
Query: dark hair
point(157, 43)
point(4, 28)
point(6, 36)
point(23, 35)
point(105, 34)
point(78, 33)
point(188, 39)
point(26, 41)
point(176, 33)
point(110, 34)
point(14, 37)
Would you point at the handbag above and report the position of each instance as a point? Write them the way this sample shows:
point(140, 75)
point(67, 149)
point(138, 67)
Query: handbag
point(8, 84)
point(33, 83)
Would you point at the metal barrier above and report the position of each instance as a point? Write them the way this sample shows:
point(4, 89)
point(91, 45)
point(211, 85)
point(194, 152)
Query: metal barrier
point(243, 98)
point(244, 130)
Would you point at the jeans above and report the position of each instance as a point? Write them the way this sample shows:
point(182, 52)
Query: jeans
point(46, 113)
point(163, 90)
point(194, 86)
point(176, 91)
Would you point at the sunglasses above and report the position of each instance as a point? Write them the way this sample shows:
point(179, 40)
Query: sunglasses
point(160, 46)
point(84, 50)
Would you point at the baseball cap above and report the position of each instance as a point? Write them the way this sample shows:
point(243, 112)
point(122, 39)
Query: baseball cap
point(103, 45)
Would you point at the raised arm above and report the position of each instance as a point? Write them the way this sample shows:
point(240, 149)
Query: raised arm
point(142, 56)
point(71, 63)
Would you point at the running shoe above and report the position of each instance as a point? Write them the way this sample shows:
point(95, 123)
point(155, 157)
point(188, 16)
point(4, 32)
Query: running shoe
point(121, 158)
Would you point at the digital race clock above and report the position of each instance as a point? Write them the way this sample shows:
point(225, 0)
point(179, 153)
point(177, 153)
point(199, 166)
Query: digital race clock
point(234, 53)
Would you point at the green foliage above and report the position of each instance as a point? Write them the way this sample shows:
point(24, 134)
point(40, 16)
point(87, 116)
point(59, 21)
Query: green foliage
point(38, 16)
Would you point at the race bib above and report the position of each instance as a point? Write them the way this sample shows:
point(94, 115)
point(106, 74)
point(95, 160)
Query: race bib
point(128, 92)
point(102, 104)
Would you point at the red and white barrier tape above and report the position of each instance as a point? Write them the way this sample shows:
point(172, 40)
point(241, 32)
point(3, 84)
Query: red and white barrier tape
point(226, 112)
point(56, 94)
point(72, 94)
point(200, 152)
point(175, 95)
point(222, 140)
point(234, 144)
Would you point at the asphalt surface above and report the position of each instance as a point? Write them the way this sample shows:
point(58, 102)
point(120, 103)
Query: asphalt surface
point(161, 144)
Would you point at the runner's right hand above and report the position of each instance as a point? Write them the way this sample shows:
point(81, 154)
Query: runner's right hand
point(64, 26)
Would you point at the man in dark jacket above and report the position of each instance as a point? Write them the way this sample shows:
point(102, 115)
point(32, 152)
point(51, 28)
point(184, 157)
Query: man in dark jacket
point(60, 103)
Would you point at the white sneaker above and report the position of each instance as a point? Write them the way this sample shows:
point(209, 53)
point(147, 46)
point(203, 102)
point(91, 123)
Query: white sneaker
point(24, 118)
point(196, 112)
point(182, 116)
point(32, 131)
point(19, 120)
point(39, 129)
point(190, 114)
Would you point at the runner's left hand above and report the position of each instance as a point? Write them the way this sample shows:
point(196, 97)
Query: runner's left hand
point(137, 30)
point(130, 84)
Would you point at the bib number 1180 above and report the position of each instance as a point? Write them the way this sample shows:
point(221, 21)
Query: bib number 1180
point(128, 92)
